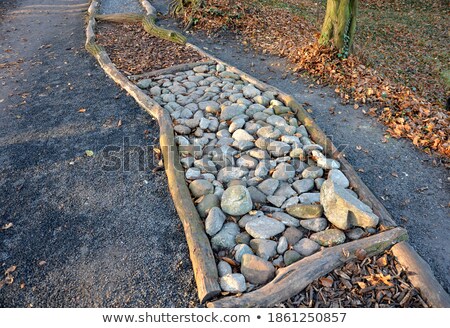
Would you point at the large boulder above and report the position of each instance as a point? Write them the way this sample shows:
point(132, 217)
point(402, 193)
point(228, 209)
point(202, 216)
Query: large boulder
point(343, 209)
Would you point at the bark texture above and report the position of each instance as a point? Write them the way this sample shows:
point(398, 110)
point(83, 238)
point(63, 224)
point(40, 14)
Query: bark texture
point(340, 24)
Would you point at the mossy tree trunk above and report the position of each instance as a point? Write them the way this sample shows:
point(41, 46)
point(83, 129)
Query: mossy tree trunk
point(340, 24)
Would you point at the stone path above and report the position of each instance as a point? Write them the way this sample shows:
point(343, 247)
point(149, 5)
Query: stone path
point(268, 195)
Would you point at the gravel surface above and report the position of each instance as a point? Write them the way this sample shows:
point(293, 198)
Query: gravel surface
point(81, 236)
point(120, 6)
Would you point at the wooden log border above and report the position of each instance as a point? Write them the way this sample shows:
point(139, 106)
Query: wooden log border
point(202, 258)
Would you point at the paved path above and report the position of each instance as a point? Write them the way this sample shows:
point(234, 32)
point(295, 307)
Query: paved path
point(82, 237)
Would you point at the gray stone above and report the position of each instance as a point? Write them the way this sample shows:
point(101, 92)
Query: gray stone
point(207, 202)
point(237, 183)
point(229, 75)
point(285, 190)
point(256, 270)
point(298, 153)
point(305, 211)
point(168, 97)
point(315, 225)
point(244, 101)
point(252, 127)
point(276, 200)
point(243, 238)
point(249, 217)
point(293, 235)
point(227, 174)
point(309, 198)
point(264, 248)
point(290, 201)
point(278, 148)
point(303, 185)
point(201, 69)
point(250, 91)
point(262, 169)
point(214, 221)
point(330, 237)
point(264, 227)
point(343, 209)
point(201, 187)
point(204, 123)
point(312, 172)
point(306, 247)
point(155, 91)
point(319, 182)
point(247, 162)
point(235, 96)
point(193, 173)
point(224, 268)
point(242, 135)
point(236, 125)
point(144, 84)
point(181, 129)
point(262, 143)
point(240, 250)
point(226, 238)
point(262, 100)
point(338, 178)
point(355, 233)
point(269, 186)
point(276, 120)
point(286, 219)
point(224, 134)
point(233, 283)
point(291, 257)
point(253, 109)
point(268, 132)
point(259, 154)
point(256, 195)
point(283, 172)
point(236, 200)
point(243, 145)
point(228, 112)
point(282, 245)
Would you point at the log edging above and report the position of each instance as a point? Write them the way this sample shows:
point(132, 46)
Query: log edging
point(199, 246)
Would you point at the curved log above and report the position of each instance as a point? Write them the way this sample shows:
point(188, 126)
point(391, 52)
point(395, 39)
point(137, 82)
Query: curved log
point(421, 276)
point(291, 280)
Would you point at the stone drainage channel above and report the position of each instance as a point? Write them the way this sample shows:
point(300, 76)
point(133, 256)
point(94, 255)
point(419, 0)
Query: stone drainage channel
point(267, 193)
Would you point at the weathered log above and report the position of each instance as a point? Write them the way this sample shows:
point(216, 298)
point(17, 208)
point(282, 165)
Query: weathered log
point(168, 70)
point(202, 257)
point(149, 23)
point(120, 18)
point(291, 280)
point(421, 276)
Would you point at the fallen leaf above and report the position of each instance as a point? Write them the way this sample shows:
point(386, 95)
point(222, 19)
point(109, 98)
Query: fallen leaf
point(361, 254)
point(119, 123)
point(42, 263)
point(394, 174)
point(326, 282)
point(6, 226)
point(11, 269)
point(89, 153)
point(82, 110)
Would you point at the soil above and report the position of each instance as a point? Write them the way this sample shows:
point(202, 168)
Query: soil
point(81, 236)
point(134, 51)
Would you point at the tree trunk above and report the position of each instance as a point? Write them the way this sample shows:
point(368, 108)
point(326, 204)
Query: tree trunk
point(340, 24)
